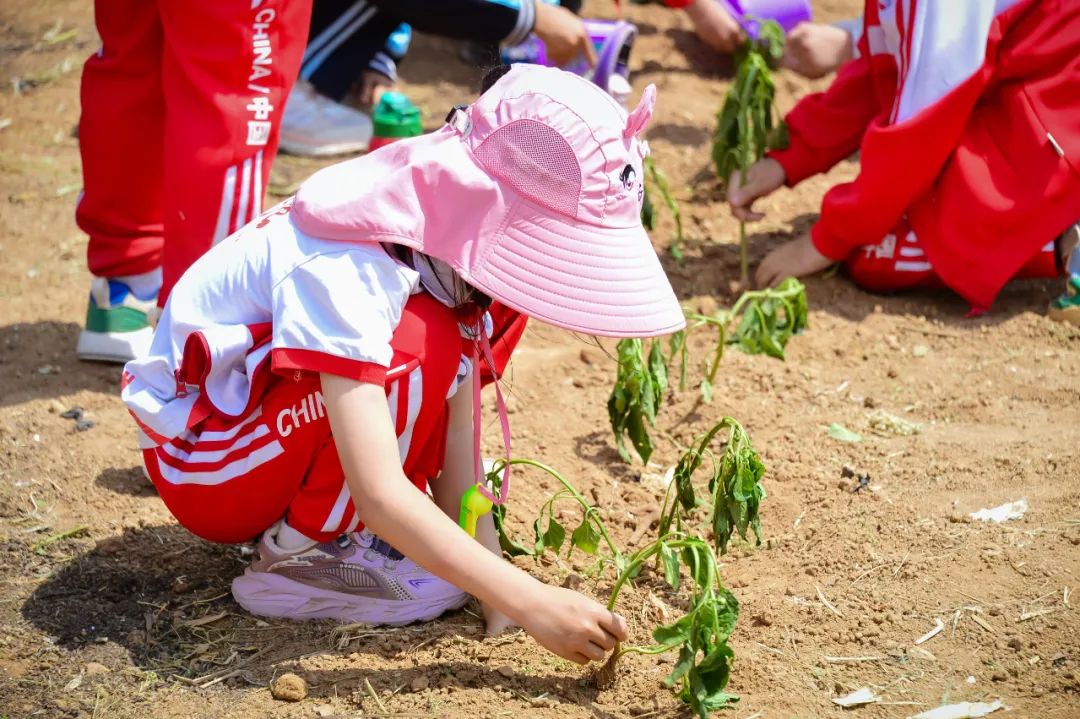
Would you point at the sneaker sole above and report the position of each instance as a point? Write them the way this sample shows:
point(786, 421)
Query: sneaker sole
point(300, 149)
point(115, 347)
point(1068, 315)
point(272, 595)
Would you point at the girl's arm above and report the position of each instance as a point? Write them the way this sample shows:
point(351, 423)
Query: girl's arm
point(565, 622)
point(457, 476)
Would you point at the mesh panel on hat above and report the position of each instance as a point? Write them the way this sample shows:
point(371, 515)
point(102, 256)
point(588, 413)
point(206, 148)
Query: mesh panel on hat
point(536, 161)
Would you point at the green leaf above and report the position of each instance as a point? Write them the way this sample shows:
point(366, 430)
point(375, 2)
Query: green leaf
point(676, 633)
point(658, 367)
point(842, 434)
point(508, 544)
point(682, 666)
point(555, 534)
point(585, 537)
point(539, 544)
point(648, 216)
point(670, 559)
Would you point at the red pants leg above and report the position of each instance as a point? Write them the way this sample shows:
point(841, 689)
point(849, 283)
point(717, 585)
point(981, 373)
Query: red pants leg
point(120, 139)
point(899, 263)
point(227, 70)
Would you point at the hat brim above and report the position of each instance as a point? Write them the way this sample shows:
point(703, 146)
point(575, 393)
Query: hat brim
point(585, 278)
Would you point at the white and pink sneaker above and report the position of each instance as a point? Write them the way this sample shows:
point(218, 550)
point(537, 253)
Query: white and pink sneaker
point(356, 578)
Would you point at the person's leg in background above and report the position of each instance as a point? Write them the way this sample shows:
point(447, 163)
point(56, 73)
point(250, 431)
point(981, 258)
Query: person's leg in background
point(227, 70)
point(120, 140)
point(350, 41)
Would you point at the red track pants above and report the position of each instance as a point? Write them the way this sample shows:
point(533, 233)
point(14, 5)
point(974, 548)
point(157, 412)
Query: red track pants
point(180, 119)
point(899, 263)
point(228, 479)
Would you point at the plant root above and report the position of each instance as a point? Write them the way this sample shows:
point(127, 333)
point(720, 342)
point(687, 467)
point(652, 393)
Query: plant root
point(605, 676)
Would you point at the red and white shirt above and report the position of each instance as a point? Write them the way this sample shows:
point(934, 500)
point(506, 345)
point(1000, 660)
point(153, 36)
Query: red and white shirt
point(268, 298)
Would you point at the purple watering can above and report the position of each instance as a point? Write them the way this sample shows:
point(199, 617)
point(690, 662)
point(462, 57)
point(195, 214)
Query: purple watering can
point(749, 13)
point(613, 41)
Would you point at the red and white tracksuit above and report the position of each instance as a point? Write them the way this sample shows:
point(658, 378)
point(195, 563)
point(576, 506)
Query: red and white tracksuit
point(180, 118)
point(966, 116)
point(227, 479)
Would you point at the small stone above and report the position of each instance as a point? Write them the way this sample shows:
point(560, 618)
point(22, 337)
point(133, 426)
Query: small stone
point(892, 342)
point(591, 356)
point(572, 581)
point(506, 670)
point(288, 688)
point(919, 351)
point(419, 684)
point(93, 669)
point(323, 710)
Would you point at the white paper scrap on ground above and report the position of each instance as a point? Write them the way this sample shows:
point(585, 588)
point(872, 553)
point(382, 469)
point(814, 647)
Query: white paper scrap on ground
point(963, 710)
point(857, 698)
point(938, 626)
point(1010, 510)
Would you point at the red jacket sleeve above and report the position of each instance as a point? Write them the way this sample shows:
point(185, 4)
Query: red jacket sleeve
point(904, 149)
point(827, 126)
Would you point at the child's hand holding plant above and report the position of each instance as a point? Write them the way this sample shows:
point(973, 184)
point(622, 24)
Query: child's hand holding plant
point(796, 258)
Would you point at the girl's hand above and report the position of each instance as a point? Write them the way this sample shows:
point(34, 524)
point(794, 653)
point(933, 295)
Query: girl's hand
point(714, 26)
point(763, 178)
point(572, 625)
point(796, 258)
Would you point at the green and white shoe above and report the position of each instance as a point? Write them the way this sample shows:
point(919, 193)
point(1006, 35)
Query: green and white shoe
point(1066, 308)
point(118, 323)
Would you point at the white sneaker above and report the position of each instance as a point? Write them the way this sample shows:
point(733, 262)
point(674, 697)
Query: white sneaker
point(356, 578)
point(313, 125)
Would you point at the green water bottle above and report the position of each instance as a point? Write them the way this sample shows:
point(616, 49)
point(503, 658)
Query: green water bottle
point(395, 117)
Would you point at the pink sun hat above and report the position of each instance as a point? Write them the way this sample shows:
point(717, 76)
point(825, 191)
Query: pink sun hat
point(532, 194)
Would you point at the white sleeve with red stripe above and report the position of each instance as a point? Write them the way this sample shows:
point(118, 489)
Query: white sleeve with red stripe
point(336, 313)
point(941, 55)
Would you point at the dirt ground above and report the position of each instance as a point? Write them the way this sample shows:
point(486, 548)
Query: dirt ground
point(109, 609)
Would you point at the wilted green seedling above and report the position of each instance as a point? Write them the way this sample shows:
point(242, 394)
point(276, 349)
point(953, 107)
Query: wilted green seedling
point(734, 486)
point(700, 636)
point(760, 322)
point(746, 126)
point(590, 536)
point(703, 666)
point(640, 383)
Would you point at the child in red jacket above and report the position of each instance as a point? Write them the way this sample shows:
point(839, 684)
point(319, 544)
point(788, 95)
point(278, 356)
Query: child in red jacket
point(967, 120)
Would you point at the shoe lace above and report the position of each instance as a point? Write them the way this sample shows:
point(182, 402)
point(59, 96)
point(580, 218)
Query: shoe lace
point(375, 548)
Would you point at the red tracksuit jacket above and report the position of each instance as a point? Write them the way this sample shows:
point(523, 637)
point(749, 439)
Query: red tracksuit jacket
point(966, 114)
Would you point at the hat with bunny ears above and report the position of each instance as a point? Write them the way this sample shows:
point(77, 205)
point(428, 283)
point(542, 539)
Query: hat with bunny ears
point(532, 194)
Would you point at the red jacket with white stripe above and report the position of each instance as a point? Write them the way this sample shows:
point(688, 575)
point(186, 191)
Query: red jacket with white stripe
point(966, 114)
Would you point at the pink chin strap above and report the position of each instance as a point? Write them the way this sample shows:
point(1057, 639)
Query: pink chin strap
point(483, 345)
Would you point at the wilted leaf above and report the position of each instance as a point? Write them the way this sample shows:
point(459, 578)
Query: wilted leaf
point(842, 434)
